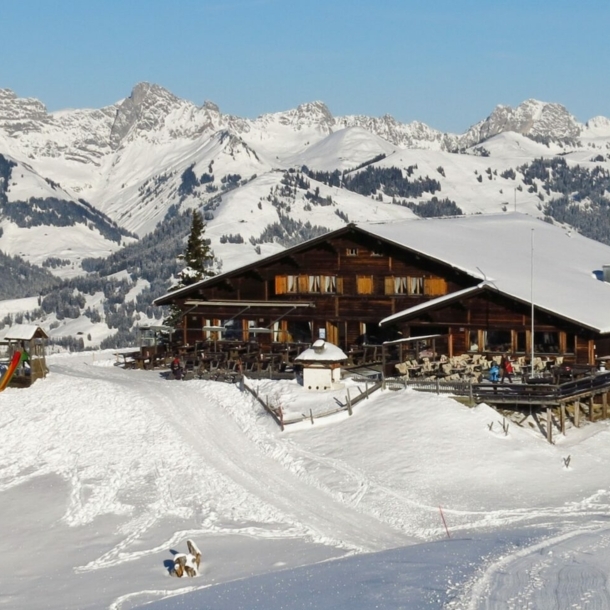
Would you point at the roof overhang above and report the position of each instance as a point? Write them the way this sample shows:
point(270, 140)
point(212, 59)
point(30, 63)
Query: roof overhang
point(249, 304)
point(411, 339)
point(25, 332)
point(405, 314)
point(170, 297)
point(432, 303)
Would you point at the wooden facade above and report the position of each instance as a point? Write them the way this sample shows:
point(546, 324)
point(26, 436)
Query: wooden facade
point(487, 321)
point(341, 285)
point(337, 287)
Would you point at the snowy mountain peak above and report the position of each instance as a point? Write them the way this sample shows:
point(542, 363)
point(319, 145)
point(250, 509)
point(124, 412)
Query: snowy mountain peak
point(411, 135)
point(211, 107)
point(305, 115)
point(315, 111)
point(144, 90)
point(145, 110)
point(20, 115)
point(598, 126)
point(531, 118)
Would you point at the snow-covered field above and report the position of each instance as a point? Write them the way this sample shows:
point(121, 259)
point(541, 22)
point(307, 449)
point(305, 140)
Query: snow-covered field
point(105, 473)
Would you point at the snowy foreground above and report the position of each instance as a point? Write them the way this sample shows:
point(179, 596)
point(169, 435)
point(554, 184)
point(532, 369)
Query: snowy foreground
point(105, 473)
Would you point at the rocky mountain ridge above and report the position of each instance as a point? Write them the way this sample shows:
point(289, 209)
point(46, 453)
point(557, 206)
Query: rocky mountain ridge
point(153, 113)
point(153, 152)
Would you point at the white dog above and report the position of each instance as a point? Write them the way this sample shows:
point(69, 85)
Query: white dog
point(188, 563)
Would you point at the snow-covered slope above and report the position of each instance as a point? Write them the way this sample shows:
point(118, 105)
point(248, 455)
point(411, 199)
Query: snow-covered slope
point(40, 220)
point(107, 472)
point(343, 149)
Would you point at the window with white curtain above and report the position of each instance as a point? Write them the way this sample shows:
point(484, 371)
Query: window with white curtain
point(330, 283)
point(314, 283)
point(400, 285)
point(416, 285)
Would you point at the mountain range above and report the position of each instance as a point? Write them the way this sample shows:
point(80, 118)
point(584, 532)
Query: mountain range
point(91, 183)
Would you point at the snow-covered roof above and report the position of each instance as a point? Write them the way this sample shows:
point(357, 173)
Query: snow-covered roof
point(322, 351)
point(497, 248)
point(433, 302)
point(24, 332)
point(507, 251)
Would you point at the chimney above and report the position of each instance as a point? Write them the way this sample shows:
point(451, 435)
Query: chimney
point(606, 273)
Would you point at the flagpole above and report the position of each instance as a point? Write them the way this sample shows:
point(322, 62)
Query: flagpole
point(532, 300)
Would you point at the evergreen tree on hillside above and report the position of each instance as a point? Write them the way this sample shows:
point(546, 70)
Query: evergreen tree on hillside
point(198, 255)
point(198, 258)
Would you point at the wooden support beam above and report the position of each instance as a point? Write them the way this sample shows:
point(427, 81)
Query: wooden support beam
point(577, 414)
point(562, 418)
point(605, 405)
point(549, 425)
point(591, 408)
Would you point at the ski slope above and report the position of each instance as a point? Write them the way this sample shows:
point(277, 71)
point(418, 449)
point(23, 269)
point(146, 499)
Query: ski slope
point(105, 473)
point(569, 570)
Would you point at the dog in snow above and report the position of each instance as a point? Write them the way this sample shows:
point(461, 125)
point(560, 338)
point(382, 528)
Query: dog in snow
point(188, 563)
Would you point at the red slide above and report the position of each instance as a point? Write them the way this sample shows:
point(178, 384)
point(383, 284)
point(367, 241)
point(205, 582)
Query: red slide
point(12, 367)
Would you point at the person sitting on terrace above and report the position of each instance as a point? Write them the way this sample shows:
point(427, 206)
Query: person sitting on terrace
point(176, 368)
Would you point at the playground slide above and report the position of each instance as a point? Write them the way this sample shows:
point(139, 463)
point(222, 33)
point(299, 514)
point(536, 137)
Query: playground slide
point(12, 367)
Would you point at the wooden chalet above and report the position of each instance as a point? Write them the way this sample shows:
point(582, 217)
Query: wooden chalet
point(468, 281)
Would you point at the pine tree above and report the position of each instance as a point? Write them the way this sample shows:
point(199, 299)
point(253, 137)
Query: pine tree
point(198, 257)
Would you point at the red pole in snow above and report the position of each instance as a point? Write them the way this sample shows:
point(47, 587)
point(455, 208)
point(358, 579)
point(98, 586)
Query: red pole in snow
point(444, 522)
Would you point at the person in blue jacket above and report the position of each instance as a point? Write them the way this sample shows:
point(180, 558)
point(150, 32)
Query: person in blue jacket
point(494, 373)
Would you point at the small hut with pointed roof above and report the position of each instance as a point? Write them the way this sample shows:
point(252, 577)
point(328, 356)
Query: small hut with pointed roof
point(322, 366)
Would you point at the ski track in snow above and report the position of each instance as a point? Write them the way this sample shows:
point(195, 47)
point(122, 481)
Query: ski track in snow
point(564, 571)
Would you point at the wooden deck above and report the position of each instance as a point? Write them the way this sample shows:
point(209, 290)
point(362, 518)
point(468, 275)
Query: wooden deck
point(585, 396)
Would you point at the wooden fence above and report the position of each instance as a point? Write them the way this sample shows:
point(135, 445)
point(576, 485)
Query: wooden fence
point(277, 413)
point(538, 391)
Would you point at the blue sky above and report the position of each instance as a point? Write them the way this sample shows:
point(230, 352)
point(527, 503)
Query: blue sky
point(446, 63)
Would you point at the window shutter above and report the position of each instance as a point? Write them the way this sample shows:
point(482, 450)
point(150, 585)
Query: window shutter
point(303, 283)
point(339, 285)
point(332, 333)
point(435, 286)
point(280, 284)
point(364, 284)
point(283, 334)
point(389, 285)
